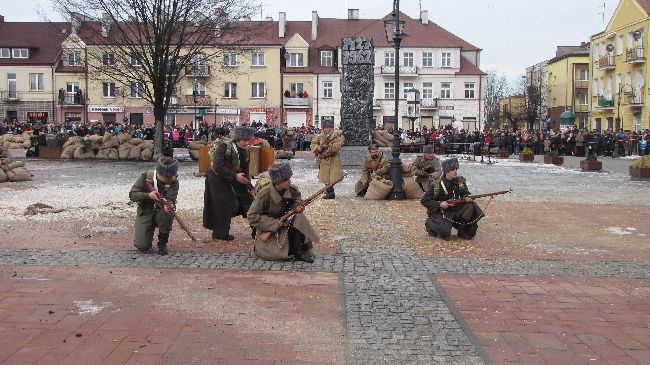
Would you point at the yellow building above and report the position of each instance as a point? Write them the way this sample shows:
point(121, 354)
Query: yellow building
point(512, 112)
point(618, 92)
point(568, 84)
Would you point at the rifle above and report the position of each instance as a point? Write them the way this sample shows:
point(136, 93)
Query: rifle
point(462, 200)
point(164, 202)
point(249, 187)
point(265, 236)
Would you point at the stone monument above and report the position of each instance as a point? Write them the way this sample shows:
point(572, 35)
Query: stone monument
point(357, 91)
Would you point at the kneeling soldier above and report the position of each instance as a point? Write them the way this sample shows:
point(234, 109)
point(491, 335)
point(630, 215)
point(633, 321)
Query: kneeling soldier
point(292, 239)
point(442, 216)
point(375, 163)
point(149, 214)
point(427, 168)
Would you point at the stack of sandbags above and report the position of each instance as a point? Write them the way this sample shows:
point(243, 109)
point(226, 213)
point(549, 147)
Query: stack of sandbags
point(13, 171)
point(412, 189)
point(16, 142)
point(382, 138)
point(195, 146)
point(109, 147)
point(283, 155)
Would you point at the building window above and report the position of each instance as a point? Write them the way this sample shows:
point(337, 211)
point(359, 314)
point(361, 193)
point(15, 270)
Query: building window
point(296, 60)
point(427, 90)
point(108, 59)
point(296, 87)
point(408, 58)
point(108, 89)
point(470, 88)
point(257, 90)
point(407, 86)
point(258, 59)
point(445, 59)
point(427, 59)
point(230, 90)
point(230, 59)
point(583, 74)
point(72, 87)
point(5, 53)
point(389, 90)
point(11, 85)
point(136, 89)
point(74, 59)
point(389, 59)
point(36, 82)
point(445, 90)
point(199, 87)
point(328, 89)
point(326, 58)
point(20, 53)
point(619, 45)
point(135, 60)
point(582, 99)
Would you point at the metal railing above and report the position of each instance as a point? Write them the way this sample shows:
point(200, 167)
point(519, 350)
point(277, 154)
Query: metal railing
point(606, 61)
point(198, 70)
point(605, 103)
point(72, 99)
point(200, 100)
point(429, 104)
point(581, 84)
point(636, 98)
point(403, 70)
point(9, 95)
point(295, 102)
point(634, 55)
point(581, 108)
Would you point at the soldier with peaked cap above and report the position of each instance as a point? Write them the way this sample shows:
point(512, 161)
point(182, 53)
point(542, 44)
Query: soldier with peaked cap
point(149, 215)
point(375, 163)
point(427, 168)
point(226, 184)
point(289, 240)
point(326, 147)
point(442, 216)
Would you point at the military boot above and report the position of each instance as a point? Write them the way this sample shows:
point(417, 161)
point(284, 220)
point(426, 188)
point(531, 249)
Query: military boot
point(162, 243)
point(330, 194)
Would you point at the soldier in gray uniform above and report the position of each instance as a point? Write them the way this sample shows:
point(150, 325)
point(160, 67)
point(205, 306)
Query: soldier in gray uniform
point(427, 168)
point(149, 214)
point(442, 216)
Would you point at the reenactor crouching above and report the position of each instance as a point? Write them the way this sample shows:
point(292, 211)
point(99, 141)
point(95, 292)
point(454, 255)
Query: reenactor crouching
point(427, 168)
point(374, 164)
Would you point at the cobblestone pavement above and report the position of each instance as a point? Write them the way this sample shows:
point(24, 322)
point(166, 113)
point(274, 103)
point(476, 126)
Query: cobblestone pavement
point(396, 306)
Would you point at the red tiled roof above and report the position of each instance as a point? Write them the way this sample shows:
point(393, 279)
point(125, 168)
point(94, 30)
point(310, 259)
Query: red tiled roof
point(43, 40)
point(645, 5)
point(467, 68)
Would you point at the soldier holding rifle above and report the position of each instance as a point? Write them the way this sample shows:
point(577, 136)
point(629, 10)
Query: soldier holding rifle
point(450, 204)
point(150, 213)
point(326, 147)
point(427, 168)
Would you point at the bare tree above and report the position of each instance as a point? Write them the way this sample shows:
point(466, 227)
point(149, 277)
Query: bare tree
point(496, 89)
point(534, 87)
point(148, 45)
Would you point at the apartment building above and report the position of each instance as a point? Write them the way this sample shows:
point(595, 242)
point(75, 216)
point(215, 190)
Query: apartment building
point(568, 84)
point(618, 92)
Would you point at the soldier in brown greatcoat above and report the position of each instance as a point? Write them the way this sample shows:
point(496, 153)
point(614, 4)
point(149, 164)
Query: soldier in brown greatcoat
point(427, 168)
point(375, 163)
point(326, 147)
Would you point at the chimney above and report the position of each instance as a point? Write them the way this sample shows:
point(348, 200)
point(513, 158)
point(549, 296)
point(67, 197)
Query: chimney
point(106, 24)
point(314, 25)
point(424, 16)
point(220, 22)
point(76, 20)
point(282, 24)
point(353, 14)
point(268, 19)
point(246, 19)
point(2, 19)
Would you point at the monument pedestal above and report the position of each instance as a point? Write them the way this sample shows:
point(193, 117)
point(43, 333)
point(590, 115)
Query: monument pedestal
point(352, 156)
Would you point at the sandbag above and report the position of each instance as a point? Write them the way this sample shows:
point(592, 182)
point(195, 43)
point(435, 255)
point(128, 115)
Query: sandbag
point(123, 137)
point(111, 142)
point(135, 141)
point(96, 138)
point(283, 155)
point(134, 153)
point(19, 139)
point(124, 150)
point(194, 154)
point(3, 176)
point(19, 174)
point(407, 170)
point(147, 154)
point(83, 152)
point(113, 154)
point(5, 145)
point(106, 137)
point(16, 164)
point(68, 152)
point(27, 135)
point(378, 189)
point(9, 138)
point(27, 144)
point(15, 146)
point(103, 153)
point(411, 188)
point(196, 145)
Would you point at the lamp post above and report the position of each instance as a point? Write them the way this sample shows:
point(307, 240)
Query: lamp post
point(413, 104)
point(618, 109)
point(195, 97)
point(394, 35)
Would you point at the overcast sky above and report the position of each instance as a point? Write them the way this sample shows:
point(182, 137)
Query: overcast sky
point(513, 34)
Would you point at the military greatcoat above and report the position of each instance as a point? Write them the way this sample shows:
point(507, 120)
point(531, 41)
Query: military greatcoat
point(329, 161)
point(426, 171)
point(379, 166)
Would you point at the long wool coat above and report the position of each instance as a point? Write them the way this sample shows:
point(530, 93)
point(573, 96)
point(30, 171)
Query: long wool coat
point(329, 162)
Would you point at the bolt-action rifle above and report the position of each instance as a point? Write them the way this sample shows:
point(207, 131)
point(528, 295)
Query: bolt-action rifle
point(265, 236)
point(462, 200)
point(164, 202)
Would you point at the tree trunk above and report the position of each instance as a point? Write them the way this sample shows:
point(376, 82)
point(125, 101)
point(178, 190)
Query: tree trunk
point(158, 138)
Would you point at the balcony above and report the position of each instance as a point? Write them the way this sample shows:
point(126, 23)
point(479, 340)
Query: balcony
point(72, 99)
point(202, 100)
point(634, 55)
point(635, 99)
point(376, 105)
point(9, 95)
point(403, 70)
point(197, 70)
point(604, 103)
point(581, 108)
point(606, 63)
point(290, 102)
point(581, 84)
point(429, 104)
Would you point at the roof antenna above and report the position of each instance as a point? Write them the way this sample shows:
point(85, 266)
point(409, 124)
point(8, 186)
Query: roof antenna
point(420, 4)
point(604, 6)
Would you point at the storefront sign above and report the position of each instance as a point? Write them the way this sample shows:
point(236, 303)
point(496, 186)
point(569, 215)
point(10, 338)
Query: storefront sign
point(446, 111)
point(105, 109)
point(37, 115)
point(221, 111)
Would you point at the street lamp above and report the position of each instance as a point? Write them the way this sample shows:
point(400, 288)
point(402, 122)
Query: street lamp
point(195, 96)
point(413, 104)
point(394, 35)
point(618, 110)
